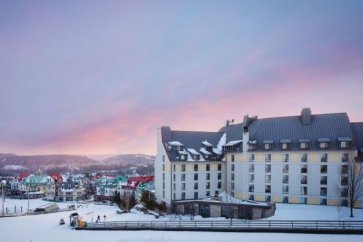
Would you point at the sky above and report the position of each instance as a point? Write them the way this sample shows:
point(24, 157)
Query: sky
point(99, 77)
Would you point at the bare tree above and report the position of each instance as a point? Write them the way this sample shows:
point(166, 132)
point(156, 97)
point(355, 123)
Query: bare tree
point(354, 182)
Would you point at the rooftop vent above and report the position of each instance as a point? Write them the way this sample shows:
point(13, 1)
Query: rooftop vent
point(306, 116)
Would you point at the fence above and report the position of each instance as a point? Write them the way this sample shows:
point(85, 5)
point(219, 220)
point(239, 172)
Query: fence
point(234, 225)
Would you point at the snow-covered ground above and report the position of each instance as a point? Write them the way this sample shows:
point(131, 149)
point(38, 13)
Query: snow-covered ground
point(45, 228)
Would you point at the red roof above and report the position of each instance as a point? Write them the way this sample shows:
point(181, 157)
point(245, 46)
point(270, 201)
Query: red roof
point(56, 177)
point(23, 175)
point(137, 180)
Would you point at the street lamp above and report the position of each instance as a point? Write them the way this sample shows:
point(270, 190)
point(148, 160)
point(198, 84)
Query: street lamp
point(3, 183)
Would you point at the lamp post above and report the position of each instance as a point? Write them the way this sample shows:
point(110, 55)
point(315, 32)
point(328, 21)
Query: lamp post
point(28, 198)
point(3, 183)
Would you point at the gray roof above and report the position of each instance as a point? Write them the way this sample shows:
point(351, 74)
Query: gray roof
point(357, 129)
point(332, 128)
point(322, 127)
point(189, 139)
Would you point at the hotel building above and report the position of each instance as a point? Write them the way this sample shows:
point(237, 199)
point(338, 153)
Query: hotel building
point(296, 159)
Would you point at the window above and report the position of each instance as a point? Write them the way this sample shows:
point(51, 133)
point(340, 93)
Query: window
point(304, 157)
point(304, 180)
point(268, 168)
point(163, 158)
point(267, 178)
point(285, 200)
point(268, 146)
point(183, 167)
point(174, 177)
point(232, 167)
point(323, 169)
point(268, 198)
point(344, 170)
point(174, 166)
point(344, 144)
point(344, 203)
point(183, 177)
point(251, 178)
point(345, 157)
point(323, 201)
point(232, 158)
point(174, 195)
point(207, 193)
point(207, 187)
point(285, 169)
point(285, 189)
point(304, 191)
point(324, 157)
point(207, 167)
point(251, 197)
point(267, 188)
point(267, 157)
point(232, 186)
point(183, 157)
point(285, 158)
point(323, 145)
point(183, 187)
point(344, 181)
point(219, 167)
point(163, 194)
point(323, 180)
point(163, 185)
point(304, 145)
point(163, 167)
point(251, 168)
point(219, 185)
point(183, 195)
point(304, 200)
point(208, 176)
point(232, 176)
point(284, 146)
point(195, 195)
point(220, 176)
point(195, 167)
point(163, 179)
point(252, 158)
point(304, 169)
point(195, 185)
point(285, 179)
point(323, 191)
point(251, 188)
point(174, 186)
point(195, 176)
point(344, 192)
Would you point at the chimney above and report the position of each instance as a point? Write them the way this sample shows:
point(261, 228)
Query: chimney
point(246, 134)
point(306, 116)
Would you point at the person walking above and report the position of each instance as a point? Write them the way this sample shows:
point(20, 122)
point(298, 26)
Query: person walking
point(104, 217)
point(98, 218)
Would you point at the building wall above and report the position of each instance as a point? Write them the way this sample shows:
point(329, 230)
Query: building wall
point(170, 173)
point(242, 164)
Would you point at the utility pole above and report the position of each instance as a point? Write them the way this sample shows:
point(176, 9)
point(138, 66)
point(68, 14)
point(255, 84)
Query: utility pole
point(3, 183)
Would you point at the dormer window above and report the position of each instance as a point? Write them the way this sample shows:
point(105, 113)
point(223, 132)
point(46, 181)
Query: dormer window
point(252, 144)
point(324, 143)
point(196, 157)
point(285, 144)
point(268, 144)
point(183, 157)
point(344, 142)
point(304, 144)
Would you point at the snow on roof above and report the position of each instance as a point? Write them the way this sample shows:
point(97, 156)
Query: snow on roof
point(252, 142)
point(206, 143)
point(175, 143)
point(233, 142)
point(182, 152)
point(221, 142)
point(193, 151)
point(204, 151)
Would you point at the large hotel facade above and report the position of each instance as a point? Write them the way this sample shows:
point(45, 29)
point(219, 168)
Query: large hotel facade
point(296, 159)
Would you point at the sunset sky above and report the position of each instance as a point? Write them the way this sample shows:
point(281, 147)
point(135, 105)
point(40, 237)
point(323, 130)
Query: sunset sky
point(99, 77)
